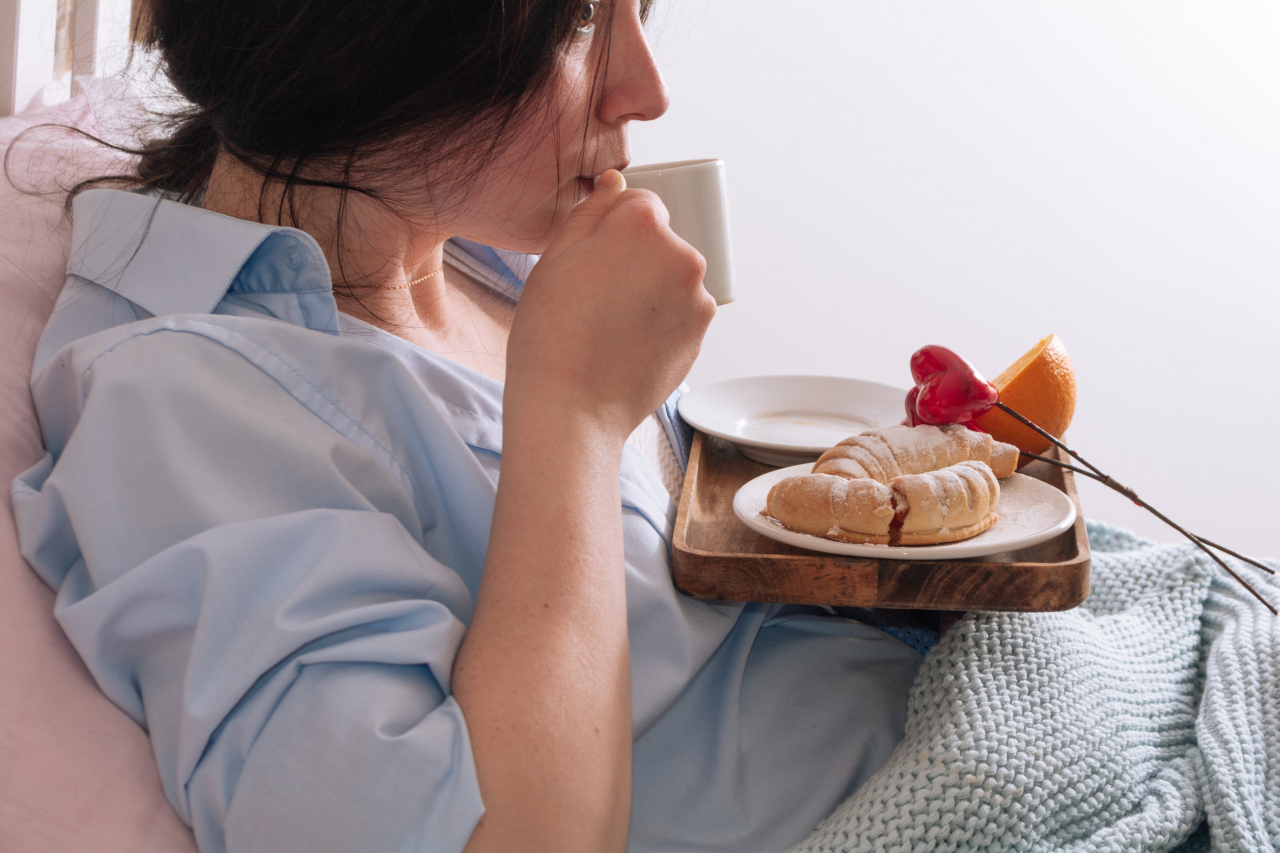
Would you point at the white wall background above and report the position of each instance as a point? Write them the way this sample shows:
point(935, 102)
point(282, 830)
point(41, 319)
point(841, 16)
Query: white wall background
point(979, 173)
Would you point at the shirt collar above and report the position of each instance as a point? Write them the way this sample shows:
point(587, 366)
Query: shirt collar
point(171, 258)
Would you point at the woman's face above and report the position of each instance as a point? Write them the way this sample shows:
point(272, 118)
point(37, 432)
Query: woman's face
point(605, 81)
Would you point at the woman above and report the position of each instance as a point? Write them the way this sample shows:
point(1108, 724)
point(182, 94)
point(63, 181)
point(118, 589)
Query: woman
point(275, 419)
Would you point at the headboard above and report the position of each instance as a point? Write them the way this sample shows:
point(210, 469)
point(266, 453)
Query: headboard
point(46, 44)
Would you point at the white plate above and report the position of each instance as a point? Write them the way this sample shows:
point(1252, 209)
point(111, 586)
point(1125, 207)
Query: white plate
point(1030, 512)
point(782, 420)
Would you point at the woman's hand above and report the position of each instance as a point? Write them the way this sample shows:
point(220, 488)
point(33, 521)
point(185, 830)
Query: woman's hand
point(612, 317)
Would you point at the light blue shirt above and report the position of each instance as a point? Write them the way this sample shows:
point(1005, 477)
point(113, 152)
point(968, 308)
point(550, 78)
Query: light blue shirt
point(266, 524)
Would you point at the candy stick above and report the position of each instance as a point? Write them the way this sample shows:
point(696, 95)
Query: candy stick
point(1133, 496)
point(1225, 550)
point(1011, 413)
point(1052, 461)
point(1212, 544)
point(1129, 493)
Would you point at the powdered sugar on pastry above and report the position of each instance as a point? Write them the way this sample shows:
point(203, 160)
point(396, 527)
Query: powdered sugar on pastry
point(882, 454)
point(834, 507)
point(900, 485)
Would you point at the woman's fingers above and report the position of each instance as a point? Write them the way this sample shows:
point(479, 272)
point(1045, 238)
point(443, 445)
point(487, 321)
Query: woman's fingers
point(584, 218)
point(613, 315)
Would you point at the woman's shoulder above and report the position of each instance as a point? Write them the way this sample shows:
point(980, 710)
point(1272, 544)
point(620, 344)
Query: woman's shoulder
point(210, 363)
point(227, 363)
point(228, 415)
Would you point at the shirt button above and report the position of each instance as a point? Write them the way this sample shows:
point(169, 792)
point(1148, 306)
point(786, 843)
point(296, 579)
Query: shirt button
point(293, 258)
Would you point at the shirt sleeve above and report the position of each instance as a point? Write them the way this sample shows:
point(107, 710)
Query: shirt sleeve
point(252, 587)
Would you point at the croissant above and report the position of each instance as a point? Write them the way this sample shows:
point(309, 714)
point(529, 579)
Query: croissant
point(826, 505)
point(945, 506)
point(889, 452)
point(898, 485)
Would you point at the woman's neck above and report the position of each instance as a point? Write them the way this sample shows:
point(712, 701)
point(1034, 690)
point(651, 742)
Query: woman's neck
point(384, 268)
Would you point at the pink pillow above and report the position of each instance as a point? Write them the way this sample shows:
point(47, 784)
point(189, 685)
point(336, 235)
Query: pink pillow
point(76, 774)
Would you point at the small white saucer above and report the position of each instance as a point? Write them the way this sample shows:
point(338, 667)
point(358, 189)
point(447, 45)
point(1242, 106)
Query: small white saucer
point(783, 420)
point(1030, 512)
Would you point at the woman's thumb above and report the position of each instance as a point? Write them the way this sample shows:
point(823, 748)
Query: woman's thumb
point(584, 218)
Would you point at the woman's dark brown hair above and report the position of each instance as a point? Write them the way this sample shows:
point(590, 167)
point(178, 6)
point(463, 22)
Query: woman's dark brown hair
point(300, 89)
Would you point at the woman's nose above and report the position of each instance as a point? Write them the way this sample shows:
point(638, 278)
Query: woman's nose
point(634, 88)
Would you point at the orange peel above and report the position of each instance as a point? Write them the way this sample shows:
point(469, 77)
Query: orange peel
point(1040, 386)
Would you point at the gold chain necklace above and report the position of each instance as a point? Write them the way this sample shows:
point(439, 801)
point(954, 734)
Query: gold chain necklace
point(417, 280)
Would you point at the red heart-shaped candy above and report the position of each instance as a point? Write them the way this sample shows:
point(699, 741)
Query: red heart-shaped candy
point(948, 389)
point(912, 418)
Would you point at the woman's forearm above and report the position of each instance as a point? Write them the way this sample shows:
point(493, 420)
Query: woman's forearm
point(543, 675)
point(608, 324)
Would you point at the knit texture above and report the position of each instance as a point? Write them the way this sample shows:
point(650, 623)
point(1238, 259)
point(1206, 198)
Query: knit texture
point(1121, 725)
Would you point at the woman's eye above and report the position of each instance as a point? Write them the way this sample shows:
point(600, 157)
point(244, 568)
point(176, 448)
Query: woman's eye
point(586, 22)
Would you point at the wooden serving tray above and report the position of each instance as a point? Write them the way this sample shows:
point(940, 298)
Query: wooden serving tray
point(716, 556)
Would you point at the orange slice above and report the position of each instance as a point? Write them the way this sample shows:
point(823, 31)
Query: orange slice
point(1040, 386)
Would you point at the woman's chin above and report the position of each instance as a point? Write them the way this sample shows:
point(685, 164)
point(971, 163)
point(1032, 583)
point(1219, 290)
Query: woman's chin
point(532, 230)
point(513, 240)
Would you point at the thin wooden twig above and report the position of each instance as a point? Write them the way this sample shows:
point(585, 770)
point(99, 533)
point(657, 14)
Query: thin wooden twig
point(1202, 546)
point(1129, 493)
point(1091, 475)
point(1053, 438)
point(1059, 464)
point(1242, 557)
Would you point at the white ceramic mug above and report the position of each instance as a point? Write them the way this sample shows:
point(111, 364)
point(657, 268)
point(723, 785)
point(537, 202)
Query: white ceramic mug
point(694, 192)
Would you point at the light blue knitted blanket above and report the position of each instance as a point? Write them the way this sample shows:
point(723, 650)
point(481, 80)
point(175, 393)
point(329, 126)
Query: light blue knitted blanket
point(1147, 719)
